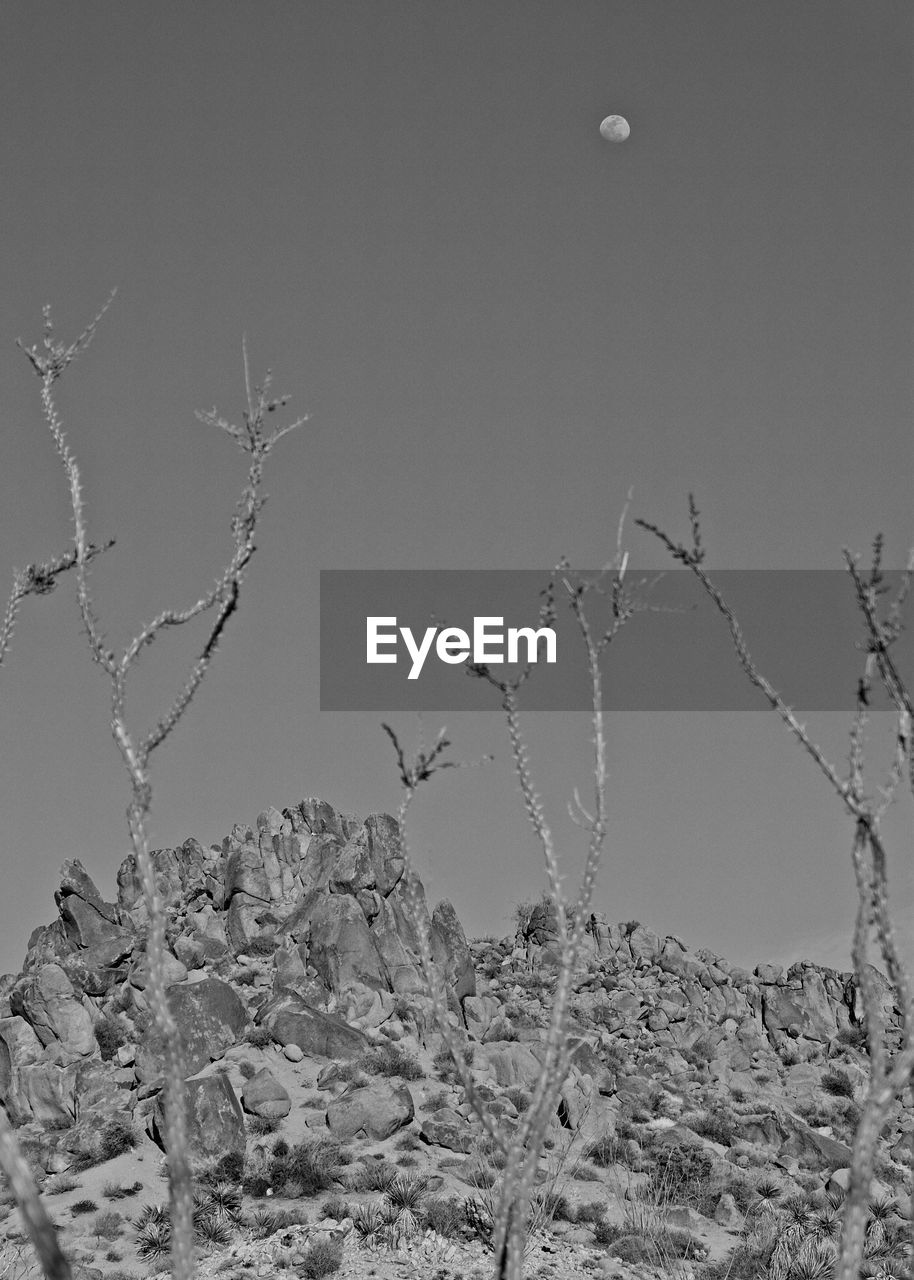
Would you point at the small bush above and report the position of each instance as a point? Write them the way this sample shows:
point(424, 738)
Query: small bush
point(608, 1232)
point(83, 1206)
point(115, 1191)
point(116, 1137)
point(261, 946)
point(307, 1165)
point(321, 1259)
point(445, 1216)
point(519, 1098)
point(717, 1123)
point(230, 1167)
point(391, 1061)
point(854, 1037)
point(107, 1226)
point(109, 1036)
point(259, 1037)
point(837, 1084)
point(60, 1184)
point(336, 1207)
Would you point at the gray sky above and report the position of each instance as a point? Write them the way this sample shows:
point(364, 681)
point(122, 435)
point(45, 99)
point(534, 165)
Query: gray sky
point(499, 323)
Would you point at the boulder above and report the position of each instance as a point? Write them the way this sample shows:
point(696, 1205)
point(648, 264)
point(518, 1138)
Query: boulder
point(451, 953)
point(291, 1021)
point(375, 1111)
point(341, 945)
point(215, 1121)
point(210, 1018)
point(448, 1129)
point(263, 1095)
point(49, 1003)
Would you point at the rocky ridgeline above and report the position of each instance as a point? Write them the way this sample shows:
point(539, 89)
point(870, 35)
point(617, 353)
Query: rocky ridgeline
point(294, 983)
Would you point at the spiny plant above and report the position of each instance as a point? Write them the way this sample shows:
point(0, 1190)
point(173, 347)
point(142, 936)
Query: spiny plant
point(50, 359)
point(881, 608)
point(523, 1150)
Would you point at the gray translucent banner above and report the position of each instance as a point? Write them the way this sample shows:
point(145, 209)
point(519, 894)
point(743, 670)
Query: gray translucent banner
point(803, 629)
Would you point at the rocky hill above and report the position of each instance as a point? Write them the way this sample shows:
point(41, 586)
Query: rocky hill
point(701, 1097)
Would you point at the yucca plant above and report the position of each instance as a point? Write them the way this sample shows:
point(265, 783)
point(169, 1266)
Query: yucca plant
point(212, 1231)
point(223, 1201)
point(403, 1203)
point(369, 1220)
point(153, 1241)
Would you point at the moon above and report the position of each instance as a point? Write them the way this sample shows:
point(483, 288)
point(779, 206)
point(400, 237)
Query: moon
point(615, 129)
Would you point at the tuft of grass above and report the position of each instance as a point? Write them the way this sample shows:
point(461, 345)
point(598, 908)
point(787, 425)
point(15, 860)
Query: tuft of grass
point(260, 1126)
point(83, 1206)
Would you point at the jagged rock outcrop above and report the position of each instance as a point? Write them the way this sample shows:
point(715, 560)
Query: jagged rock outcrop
point(291, 943)
point(312, 898)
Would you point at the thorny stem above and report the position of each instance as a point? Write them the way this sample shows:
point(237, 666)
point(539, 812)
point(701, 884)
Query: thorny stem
point(255, 440)
point(888, 1077)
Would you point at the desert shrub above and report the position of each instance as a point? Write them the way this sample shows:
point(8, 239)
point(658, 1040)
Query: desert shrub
point(280, 1149)
point(855, 1037)
point(308, 1165)
point(592, 1212)
point(376, 1176)
point(261, 946)
point(445, 1216)
point(837, 1083)
point(83, 1206)
point(409, 1141)
point(322, 1258)
point(264, 1223)
point(259, 1037)
point(518, 1097)
point(557, 1208)
point(107, 1225)
point(700, 1053)
point(444, 1066)
point(115, 1191)
point(388, 1060)
point(230, 1167)
point(60, 1184)
point(256, 1184)
point(716, 1123)
point(116, 1137)
point(85, 1158)
point(109, 1036)
point(680, 1171)
point(608, 1232)
point(336, 1207)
